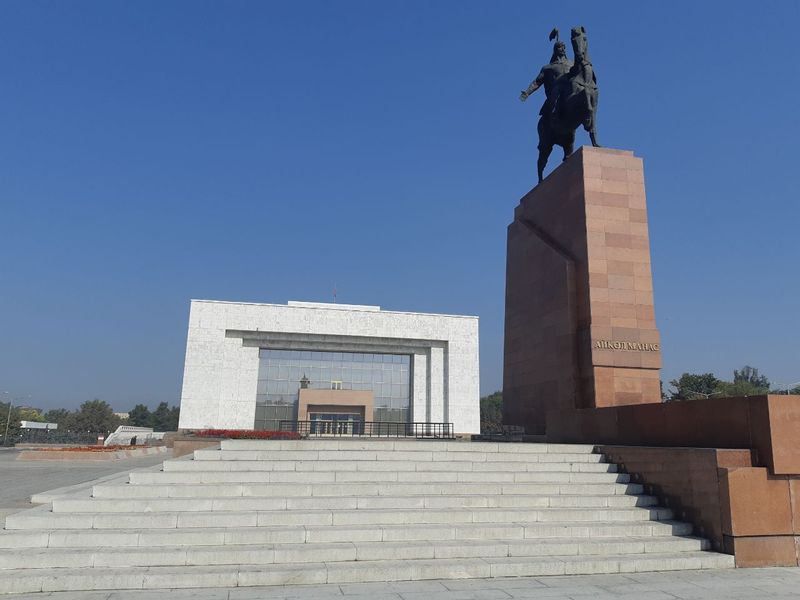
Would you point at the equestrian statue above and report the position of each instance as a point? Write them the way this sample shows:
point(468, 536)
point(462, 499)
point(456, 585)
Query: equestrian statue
point(570, 90)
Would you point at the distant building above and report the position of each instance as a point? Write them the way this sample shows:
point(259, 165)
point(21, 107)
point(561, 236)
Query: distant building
point(122, 415)
point(37, 425)
point(251, 366)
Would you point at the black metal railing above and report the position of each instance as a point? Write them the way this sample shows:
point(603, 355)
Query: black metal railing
point(319, 428)
point(48, 436)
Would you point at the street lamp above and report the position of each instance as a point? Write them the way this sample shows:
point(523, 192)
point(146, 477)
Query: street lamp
point(8, 419)
point(789, 386)
point(703, 393)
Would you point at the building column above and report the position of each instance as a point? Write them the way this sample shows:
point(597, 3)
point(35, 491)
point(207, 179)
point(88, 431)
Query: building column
point(419, 401)
point(237, 405)
point(436, 385)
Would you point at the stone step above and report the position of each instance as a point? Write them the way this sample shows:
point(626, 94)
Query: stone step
point(64, 579)
point(345, 466)
point(265, 554)
point(120, 505)
point(405, 446)
point(317, 511)
point(299, 534)
point(413, 456)
point(372, 477)
point(33, 519)
point(217, 490)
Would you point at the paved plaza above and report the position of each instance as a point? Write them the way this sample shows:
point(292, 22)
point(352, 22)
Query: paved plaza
point(22, 479)
point(747, 584)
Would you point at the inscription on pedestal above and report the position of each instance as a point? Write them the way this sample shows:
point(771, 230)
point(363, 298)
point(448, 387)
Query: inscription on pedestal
point(634, 346)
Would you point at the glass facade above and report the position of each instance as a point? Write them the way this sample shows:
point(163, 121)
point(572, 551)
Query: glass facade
point(282, 372)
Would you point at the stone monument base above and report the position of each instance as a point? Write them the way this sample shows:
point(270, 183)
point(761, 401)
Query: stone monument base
point(731, 466)
point(580, 326)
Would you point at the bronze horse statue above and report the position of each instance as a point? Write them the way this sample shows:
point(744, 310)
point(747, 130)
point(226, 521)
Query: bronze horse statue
point(571, 91)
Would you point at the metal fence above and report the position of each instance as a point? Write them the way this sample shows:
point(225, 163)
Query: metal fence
point(44, 436)
point(320, 428)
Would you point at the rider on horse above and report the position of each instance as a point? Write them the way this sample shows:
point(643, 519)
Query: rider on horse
point(571, 97)
point(548, 77)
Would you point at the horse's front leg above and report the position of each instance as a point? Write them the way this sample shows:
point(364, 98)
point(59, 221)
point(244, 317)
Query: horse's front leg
point(592, 99)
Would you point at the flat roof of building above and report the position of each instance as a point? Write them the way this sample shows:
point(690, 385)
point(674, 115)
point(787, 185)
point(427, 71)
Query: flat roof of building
point(334, 306)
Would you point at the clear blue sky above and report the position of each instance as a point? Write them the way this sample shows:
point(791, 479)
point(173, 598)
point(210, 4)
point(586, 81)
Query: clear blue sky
point(153, 152)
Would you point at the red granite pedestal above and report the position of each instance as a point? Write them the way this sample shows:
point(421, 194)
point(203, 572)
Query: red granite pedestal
point(730, 466)
point(580, 327)
point(582, 360)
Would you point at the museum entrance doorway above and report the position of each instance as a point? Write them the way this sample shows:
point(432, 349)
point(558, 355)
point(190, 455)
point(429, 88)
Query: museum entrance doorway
point(336, 423)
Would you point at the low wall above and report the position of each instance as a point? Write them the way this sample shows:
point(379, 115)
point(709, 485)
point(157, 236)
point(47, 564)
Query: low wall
point(684, 479)
point(54, 454)
point(730, 466)
point(743, 510)
point(769, 425)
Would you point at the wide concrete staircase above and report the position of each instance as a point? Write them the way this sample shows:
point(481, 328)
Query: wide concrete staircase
point(337, 511)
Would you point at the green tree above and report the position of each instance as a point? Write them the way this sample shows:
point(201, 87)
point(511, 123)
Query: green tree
point(691, 386)
point(11, 421)
point(57, 415)
point(492, 413)
point(30, 414)
point(96, 417)
point(746, 382)
point(164, 418)
point(140, 416)
point(749, 376)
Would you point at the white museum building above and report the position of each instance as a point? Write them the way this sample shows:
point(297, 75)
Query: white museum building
point(341, 366)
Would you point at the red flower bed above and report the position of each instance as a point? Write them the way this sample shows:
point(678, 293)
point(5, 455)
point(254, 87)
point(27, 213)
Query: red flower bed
point(247, 434)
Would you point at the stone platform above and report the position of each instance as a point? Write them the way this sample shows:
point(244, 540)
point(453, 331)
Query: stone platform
point(326, 511)
point(731, 466)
